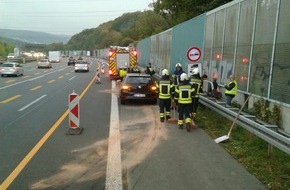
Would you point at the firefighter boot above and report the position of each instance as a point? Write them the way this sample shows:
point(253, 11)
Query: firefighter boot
point(162, 119)
point(180, 124)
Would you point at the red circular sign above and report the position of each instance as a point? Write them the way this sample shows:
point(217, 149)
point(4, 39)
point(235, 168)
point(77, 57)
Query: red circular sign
point(193, 54)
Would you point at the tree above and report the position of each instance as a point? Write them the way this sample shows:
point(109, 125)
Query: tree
point(5, 49)
point(179, 11)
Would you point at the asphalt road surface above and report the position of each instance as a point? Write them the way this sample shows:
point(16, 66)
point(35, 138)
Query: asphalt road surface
point(121, 146)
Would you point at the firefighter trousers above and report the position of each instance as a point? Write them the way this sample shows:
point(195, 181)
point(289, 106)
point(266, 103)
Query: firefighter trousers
point(194, 104)
point(164, 104)
point(184, 112)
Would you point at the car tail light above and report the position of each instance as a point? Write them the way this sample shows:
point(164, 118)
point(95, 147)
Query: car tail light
point(125, 87)
point(154, 88)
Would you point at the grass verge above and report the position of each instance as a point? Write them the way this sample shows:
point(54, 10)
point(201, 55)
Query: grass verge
point(271, 168)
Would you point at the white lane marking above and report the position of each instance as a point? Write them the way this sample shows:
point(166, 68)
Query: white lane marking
point(35, 78)
point(114, 169)
point(28, 80)
point(72, 78)
point(23, 108)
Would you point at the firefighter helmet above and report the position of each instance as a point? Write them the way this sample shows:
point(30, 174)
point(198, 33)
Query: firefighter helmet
point(165, 72)
point(178, 65)
point(195, 71)
point(183, 77)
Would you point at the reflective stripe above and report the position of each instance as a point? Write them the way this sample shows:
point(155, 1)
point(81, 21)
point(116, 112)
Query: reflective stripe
point(164, 89)
point(196, 84)
point(185, 93)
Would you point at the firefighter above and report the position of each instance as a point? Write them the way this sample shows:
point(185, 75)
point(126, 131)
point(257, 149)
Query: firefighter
point(231, 90)
point(176, 75)
point(149, 69)
point(176, 78)
point(184, 93)
point(165, 88)
point(195, 81)
point(122, 73)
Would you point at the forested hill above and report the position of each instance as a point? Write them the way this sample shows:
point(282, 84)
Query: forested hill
point(132, 27)
point(128, 28)
point(32, 37)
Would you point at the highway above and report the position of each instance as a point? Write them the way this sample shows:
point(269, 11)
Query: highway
point(36, 153)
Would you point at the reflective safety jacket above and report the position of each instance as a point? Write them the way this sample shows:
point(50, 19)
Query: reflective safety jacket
point(122, 73)
point(184, 93)
point(195, 81)
point(165, 88)
point(232, 88)
point(150, 71)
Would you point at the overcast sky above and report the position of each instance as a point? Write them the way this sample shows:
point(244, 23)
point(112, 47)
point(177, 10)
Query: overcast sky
point(64, 16)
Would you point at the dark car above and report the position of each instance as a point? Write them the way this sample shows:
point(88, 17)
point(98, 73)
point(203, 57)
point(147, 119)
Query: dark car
point(137, 86)
point(71, 61)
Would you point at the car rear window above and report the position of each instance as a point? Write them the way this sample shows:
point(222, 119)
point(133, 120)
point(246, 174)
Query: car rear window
point(138, 80)
point(7, 65)
point(82, 62)
point(43, 60)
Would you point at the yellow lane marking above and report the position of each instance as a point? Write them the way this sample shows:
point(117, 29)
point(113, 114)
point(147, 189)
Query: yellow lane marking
point(10, 99)
point(51, 81)
point(67, 74)
point(7, 182)
point(37, 73)
point(60, 77)
point(35, 88)
point(25, 77)
point(9, 81)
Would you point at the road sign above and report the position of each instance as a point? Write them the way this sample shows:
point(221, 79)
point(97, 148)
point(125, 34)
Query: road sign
point(193, 54)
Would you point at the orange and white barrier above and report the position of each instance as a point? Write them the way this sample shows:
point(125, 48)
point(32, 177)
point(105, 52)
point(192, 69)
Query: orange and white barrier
point(74, 114)
point(103, 69)
point(98, 76)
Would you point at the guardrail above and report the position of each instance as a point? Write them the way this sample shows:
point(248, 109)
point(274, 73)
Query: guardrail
point(22, 60)
point(267, 132)
point(270, 133)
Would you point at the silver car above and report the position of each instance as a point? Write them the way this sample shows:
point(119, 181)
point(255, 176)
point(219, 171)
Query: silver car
point(44, 63)
point(11, 68)
point(82, 65)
